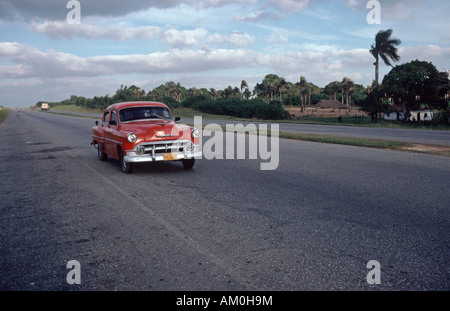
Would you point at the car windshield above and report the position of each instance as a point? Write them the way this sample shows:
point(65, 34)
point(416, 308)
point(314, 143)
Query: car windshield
point(144, 113)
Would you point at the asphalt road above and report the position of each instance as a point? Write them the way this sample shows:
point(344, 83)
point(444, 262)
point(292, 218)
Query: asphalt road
point(314, 223)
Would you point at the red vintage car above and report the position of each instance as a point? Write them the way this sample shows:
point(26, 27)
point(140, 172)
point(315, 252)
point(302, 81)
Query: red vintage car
point(136, 132)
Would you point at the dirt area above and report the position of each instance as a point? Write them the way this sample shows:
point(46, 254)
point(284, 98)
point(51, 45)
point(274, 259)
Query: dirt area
point(296, 112)
point(441, 150)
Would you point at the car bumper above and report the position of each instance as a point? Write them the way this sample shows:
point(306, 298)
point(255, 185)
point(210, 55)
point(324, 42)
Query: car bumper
point(164, 151)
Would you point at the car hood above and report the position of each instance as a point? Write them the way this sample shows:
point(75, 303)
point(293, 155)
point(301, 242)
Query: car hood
point(157, 130)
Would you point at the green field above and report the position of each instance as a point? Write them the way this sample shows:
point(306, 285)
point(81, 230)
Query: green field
point(3, 113)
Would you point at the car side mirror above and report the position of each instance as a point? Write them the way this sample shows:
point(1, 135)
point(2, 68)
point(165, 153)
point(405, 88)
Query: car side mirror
point(177, 119)
point(96, 123)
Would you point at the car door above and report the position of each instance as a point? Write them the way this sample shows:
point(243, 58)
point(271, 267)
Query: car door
point(104, 127)
point(111, 139)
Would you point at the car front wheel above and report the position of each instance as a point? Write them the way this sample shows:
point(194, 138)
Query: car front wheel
point(188, 163)
point(126, 167)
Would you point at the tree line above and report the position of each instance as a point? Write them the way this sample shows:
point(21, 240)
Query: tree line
point(272, 90)
point(410, 86)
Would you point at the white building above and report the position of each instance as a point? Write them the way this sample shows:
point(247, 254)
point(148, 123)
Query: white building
point(415, 116)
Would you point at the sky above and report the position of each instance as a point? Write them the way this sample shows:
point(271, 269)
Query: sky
point(47, 54)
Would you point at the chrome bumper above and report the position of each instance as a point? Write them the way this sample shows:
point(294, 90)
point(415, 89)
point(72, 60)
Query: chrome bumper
point(164, 151)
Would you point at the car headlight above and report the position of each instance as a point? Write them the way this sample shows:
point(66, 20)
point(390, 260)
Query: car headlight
point(195, 133)
point(132, 137)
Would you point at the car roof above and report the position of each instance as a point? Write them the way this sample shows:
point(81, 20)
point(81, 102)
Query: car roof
point(135, 104)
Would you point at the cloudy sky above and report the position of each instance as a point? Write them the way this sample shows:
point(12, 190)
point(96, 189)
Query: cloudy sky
point(205, 43)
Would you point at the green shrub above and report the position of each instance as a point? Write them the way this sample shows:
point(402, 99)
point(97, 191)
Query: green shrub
point(171, 102)
point(241, 108)
point(190, 101)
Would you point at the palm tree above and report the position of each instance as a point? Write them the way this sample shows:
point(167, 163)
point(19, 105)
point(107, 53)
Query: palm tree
point(243, 85)
point(304, 96)
point(347, 85)
point(228, 92)
point(175, 92)
point(166, 88)
point(281, 88)
point(235, 92)
point(178, 91)
point(213, 93)
point(384, 47)
point(336, 85)
point(247, 93)
point(303, 83)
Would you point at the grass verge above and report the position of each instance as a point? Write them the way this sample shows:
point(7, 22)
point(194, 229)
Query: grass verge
point(3, 114)
point(368, 143)
point(350, 141)
point(366, 122)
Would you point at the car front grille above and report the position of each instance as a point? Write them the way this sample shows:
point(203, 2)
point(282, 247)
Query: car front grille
point(155, 148)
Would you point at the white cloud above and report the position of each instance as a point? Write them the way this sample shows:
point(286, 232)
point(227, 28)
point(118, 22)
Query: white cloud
point(353, 3)
point(255, 16)
point(216, 3)
point(34, 62)
point(172, 36)
point(235, 38)
point(279, 36)
point(56, 9)
point(290, 5)
point(26, 61)
point(58, 30)
point(426, 52)
point(182, 38)
point(57, 64)
point(9, 49)
point(275, 9)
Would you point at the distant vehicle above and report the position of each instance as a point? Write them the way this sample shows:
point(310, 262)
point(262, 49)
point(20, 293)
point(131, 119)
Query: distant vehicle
point(45, 107)
point(136, 132)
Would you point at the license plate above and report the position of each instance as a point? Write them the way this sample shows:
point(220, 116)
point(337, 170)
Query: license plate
point(169, 156)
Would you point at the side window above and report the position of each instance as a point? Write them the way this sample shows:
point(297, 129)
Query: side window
point(166, 114)
point(106, 117)
point(113, 117)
